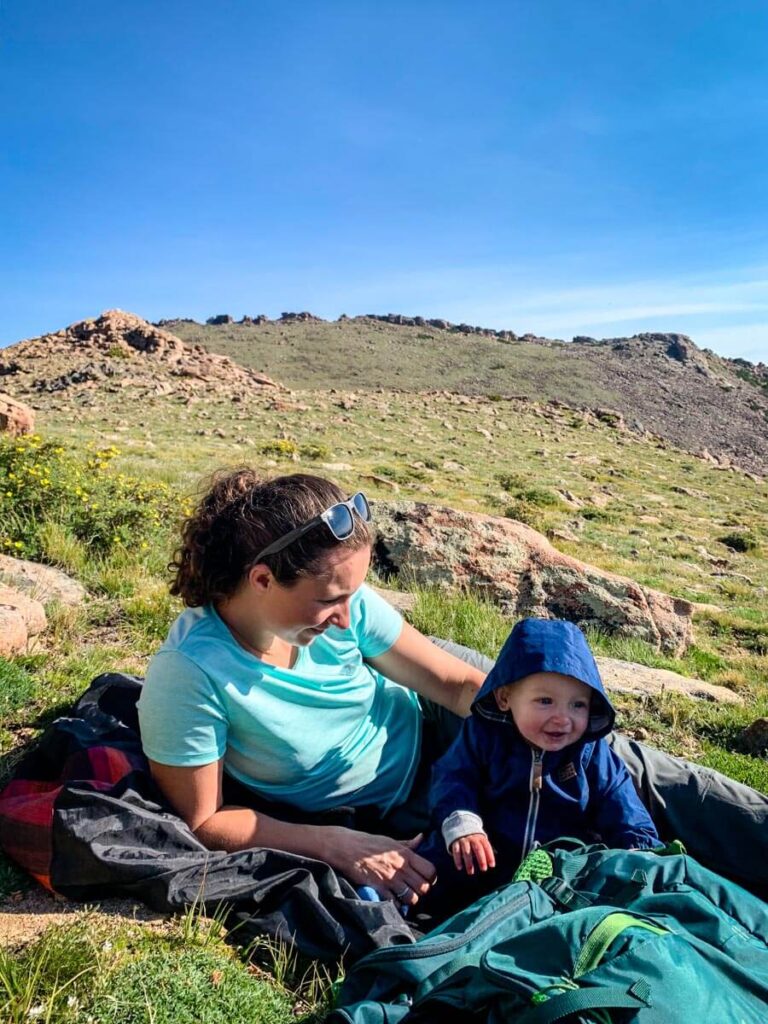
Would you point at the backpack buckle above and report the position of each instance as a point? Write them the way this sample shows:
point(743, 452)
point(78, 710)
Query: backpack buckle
point(562, 893)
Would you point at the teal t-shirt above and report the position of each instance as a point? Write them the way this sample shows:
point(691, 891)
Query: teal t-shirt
point(328, 731)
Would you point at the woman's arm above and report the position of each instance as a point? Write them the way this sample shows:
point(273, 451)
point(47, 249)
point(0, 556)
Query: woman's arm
point(386, 865)
point(415, 662)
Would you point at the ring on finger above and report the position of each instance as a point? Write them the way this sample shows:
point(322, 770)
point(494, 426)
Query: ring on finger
point(405, 891)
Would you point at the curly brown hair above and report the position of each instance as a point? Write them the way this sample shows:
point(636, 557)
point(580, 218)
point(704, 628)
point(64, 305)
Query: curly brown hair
point(240, 515)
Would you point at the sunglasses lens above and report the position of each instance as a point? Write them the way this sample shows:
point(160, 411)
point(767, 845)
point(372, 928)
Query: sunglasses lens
point(339, 520)
point(362, 507)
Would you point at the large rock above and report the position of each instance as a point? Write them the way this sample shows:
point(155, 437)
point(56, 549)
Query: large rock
point(15, 417)
point(41, 582)
point(13, 631)
point(628, 677)
point(519, 569)
point(31, 611)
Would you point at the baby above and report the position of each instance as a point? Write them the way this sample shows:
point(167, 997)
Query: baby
point(530, 764)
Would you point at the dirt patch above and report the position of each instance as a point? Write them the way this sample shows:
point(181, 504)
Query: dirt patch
point(25, 916)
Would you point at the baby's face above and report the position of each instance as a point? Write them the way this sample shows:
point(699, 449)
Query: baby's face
point(550, 711)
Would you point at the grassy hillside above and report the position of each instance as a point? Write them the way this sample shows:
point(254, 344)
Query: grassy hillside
point(370, 354)
point(691, 398)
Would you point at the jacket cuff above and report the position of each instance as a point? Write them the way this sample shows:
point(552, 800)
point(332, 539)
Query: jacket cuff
point(460, 823)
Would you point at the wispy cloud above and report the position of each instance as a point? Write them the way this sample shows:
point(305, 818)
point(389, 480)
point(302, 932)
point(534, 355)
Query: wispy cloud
point(639, 305)
point(712, 307)
point(750, 341)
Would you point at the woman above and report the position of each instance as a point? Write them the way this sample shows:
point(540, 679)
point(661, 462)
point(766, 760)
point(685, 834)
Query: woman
point(289, 681)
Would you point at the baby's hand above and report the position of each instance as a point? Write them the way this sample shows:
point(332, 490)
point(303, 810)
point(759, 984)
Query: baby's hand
point(470, 849)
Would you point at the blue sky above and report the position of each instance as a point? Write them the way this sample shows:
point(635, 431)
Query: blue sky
point(557, 167)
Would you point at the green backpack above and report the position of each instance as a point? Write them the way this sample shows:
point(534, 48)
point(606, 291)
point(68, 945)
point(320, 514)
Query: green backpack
point(587, 935)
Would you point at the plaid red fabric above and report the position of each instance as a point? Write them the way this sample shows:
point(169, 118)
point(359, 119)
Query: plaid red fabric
point(27, 805)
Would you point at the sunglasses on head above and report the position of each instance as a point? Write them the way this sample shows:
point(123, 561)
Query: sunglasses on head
point(338, 518)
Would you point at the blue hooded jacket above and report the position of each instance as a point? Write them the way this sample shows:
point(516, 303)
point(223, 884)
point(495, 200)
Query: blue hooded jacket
point(522, 794)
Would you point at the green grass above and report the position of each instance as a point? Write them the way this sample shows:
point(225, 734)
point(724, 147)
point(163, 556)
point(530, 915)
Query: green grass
point(752, 771)
point(96, 970)
point(463, 618)
point(372, 354)
point(17, 687)
point(172, 983)
point(50, 978)
point(655, 528)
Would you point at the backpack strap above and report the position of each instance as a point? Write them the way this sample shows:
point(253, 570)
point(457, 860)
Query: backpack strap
point(564, 895)
point(627, 890)
point(574, 1001)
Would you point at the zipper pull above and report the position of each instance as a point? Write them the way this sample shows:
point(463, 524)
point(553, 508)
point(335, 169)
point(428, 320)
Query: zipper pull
point(538, 767)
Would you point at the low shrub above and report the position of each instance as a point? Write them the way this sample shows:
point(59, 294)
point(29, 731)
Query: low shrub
point(281, 448)
point(600, 515)
point(42, 482)
point(400, 475)
point(314, 452)
point(118, 352)
point(541, 496)
point(531, 515)
point(741, 542)
point(511, 481)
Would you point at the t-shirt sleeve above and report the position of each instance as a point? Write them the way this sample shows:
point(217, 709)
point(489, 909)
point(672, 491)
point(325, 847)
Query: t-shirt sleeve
point(182, 723)
point(376, 623)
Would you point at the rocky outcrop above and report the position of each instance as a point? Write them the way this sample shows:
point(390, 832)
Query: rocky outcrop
point(118, 350)
point(44, 583)
point(16, 418)
point(25, 589)
point(681, 348)
point(300, 318)
point(678, 347)
point(444, 325)
point(21, 617)
point(519, 569)
point(628, 677)
point(118, 332)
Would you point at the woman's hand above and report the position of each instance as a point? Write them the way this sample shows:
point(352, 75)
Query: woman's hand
point(392, 868)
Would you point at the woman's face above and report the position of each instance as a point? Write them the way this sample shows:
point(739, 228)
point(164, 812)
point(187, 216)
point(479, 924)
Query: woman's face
point(301, 612)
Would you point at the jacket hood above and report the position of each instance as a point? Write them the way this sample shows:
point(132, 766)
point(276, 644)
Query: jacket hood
point(547, 645)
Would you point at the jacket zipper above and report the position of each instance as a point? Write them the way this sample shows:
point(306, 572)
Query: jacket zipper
point(537, 767)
